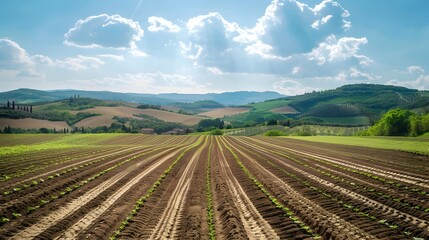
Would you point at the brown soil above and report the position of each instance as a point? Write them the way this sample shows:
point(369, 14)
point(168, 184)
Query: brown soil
point(31, 123)
point(222, 112)
point(333, 191)
point(109, 112)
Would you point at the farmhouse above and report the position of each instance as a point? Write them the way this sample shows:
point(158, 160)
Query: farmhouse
point(150, 131)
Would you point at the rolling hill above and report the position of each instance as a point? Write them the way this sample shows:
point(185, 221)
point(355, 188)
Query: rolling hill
point(25, 95)
point(357, 104)
point(351, 105)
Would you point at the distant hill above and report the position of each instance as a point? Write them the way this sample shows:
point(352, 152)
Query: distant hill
point(25, 96)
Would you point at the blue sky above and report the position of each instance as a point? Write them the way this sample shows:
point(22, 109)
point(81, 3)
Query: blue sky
point(194, 46)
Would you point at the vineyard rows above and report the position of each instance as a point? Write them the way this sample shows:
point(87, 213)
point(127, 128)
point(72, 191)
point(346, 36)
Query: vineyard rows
point(207, 187)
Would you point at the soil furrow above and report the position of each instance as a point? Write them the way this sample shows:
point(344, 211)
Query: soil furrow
point(89, 218)
point(307, 208)
point(169, 221)
point(255, 225)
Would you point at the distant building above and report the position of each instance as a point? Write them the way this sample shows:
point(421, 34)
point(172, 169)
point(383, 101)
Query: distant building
point(149, 131)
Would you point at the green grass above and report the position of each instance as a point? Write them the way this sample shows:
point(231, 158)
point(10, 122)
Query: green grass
point(362, 120)
point(317, 130)
point(419, 145)
point(268, 105)
point(62, 142)
point(338, 100)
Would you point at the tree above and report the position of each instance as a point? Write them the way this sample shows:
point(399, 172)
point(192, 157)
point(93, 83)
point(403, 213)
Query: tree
point(216, 132)
point(272, 122)
point(31, 109)
point(8, 104)
point(13, 104)
point(43, 130)
point(396, 122)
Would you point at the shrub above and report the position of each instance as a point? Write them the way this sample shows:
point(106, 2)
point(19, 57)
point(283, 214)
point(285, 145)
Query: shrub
point(216, 132)
point(274, 133)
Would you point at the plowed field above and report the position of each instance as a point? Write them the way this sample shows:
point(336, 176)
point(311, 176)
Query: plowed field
point(206, 187)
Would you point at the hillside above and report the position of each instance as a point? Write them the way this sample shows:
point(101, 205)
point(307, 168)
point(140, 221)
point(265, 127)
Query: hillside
point(24, 95)
point(94, 115)
point(357, 104)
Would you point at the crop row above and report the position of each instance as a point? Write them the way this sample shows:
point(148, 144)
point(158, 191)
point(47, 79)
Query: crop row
point(385, 195)
point(366, 212)
point(38, 165)
point(140, 202)
point(273, 199)
point(73, 187)
point(210, 212)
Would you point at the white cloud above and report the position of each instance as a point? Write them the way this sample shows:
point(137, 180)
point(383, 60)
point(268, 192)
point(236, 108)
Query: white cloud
point(77, 63)
point(15, 62)
point(158, 24)
point(356, 74)
point(12, 56)
point(290, 27)
point(104, 31)
point(210, 41)
point(415, 69)
point(138, 53)
point(421, 83)
point(157, 82)
point(296, 70)
point(112, 56)
point(215, 70)
point(196, 24)
point(290, 87)
point(263, 50)
point(341, 49)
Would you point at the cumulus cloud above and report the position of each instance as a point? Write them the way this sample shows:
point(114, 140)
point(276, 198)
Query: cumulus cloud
point(12, 56)
point(415, 69)
point(291, 27)
point(159, 24)
point(332, 49)
point(210, 40)
point(421, 83)
point(291, 88)
point(289, 34)
point(104, 31)
point(15, 59)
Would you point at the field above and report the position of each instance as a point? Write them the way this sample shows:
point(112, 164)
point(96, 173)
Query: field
point(128, 112)
point(222, 112)
point(418, 145)
point(205, 187)
point(30, 123)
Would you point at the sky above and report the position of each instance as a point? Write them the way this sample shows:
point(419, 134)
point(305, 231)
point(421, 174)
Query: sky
point(196, 46)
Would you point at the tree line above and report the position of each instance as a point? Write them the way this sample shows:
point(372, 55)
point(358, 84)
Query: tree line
point(13, 106)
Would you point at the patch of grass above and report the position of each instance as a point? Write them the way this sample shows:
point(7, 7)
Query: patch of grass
point(418, 145)
point(361, 120)
point(62, 142)
point(268, 105)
